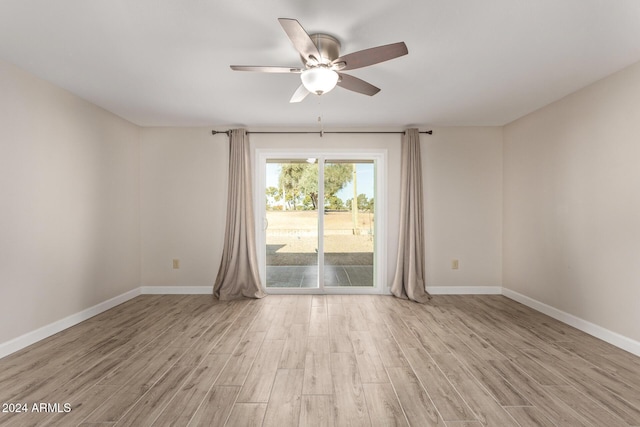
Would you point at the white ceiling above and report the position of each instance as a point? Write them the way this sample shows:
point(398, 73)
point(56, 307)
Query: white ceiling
point(470, 62)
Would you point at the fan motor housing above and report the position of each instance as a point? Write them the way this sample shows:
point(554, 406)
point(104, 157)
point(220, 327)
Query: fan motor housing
point(328, 46)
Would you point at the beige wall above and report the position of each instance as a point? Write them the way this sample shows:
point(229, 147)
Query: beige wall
point(69, 194)
point(183, 200)
point(572, 204)
point(463, 200)
point(183, 185)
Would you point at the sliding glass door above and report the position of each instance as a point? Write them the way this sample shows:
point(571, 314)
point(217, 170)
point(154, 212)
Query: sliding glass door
point(319, 223)
point(349, 226)
point(291, 224)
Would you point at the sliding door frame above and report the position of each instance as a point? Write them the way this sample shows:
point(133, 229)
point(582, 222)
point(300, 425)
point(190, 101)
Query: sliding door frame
point(379, 156)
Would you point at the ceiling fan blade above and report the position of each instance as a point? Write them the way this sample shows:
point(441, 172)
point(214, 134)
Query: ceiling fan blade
point(300, 39)
point(357, 85)
point(300, 94)
point(265, 69)
point(374, 55)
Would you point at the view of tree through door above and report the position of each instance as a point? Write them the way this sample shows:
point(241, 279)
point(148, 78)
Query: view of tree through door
point(311, 198)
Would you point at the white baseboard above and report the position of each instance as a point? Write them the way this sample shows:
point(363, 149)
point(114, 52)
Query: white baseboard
point(613, 338)
point(464, 290)
point(176, 290)
point(604, 334)
point(32, 337)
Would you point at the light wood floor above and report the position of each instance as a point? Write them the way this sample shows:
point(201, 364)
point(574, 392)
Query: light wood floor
point(323, 360)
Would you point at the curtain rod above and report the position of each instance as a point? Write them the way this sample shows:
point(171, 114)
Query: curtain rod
point(319, 132)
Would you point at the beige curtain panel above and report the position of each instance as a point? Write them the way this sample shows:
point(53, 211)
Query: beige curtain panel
point(409, 281)
point(238, 274)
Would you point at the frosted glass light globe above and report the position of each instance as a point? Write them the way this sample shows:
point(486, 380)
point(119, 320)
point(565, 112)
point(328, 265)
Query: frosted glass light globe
point(319, 80)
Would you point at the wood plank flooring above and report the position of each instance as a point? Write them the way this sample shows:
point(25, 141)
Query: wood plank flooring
point(178, 360)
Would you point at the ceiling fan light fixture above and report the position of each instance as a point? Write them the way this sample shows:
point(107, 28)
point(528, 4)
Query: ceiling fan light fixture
point(319, 79)
point(323, 64)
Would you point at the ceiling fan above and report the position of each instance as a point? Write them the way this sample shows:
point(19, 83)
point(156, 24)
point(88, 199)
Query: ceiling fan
point(323, 65)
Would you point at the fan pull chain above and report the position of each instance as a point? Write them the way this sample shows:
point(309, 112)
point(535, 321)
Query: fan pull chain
point(320, 117)
point(321, 126)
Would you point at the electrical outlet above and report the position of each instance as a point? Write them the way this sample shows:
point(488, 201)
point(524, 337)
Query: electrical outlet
point(176, 264)
point(455, 264)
